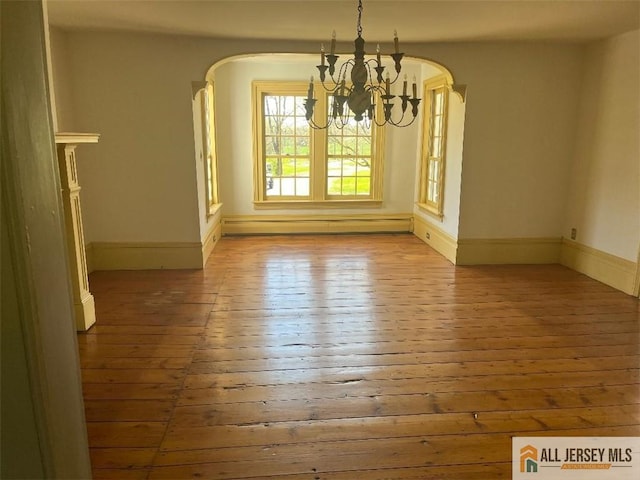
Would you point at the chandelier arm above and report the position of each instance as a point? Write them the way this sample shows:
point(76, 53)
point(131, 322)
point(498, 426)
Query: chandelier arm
point(344, 69)
point(370, 69)
point(341, 75)
point(315, 126)
point(344, 115)
point(395, 79)
point(399, 122)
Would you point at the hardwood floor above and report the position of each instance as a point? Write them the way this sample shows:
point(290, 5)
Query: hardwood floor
point(350, 357)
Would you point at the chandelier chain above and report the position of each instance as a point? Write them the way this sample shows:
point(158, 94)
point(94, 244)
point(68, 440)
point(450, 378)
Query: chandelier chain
point(359, 18)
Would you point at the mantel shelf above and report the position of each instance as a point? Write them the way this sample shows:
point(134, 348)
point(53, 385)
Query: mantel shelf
point(72, 138)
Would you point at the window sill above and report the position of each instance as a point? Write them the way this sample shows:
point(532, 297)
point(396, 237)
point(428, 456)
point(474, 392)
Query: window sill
point(213, 209)
point(428, 209)
point(302, 204)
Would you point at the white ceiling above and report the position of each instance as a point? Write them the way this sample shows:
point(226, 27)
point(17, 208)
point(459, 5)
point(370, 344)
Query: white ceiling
point(415, 20)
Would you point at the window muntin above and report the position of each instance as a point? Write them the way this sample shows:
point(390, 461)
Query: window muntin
point(434, 147)
point(295, 163)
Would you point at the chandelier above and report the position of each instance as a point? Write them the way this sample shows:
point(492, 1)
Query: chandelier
point(357, 98)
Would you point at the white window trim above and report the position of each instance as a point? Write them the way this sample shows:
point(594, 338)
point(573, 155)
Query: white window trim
point(433, 208)
point(318, 197)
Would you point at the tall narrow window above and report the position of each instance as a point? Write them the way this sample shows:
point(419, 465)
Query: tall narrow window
point(211, 161)
point(287, 147)
point(296, 164)
point(434, 146)
point(349, 160)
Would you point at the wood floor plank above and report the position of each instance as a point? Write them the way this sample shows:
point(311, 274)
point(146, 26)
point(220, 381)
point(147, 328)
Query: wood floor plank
point(358, 387)
point(410, 404)
point(133, 375)
point(337, 347)
point(407, 370)
point(98, 362)
point(349, 357)
point(121, 473)
point(469, 423)
point(121, 458)
point(214, 361)
point(449, 472)
point(125, 434)
point(130, 391)
point(126, 410)
point(353, 456)
point(98, 351)
point(225, 359)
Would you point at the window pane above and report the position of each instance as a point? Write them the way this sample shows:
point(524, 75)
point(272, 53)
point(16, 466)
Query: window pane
point(350, 129)
point(430, 192)
point(333, 130)
point(364, 168)
point(364, 130)
point(334, 168)
point(275, 187)
point(302, 127)
point(272, 145)
point(288, 105)
point(349, 166)
point(348, 185)
point(435, 170)
point(287, 146)
point(363, 186)
point(349, 146)
point(288, 167)
point(288, 126)
point(437, 125)
point(334, 185)
point(302, 187)
point(437, 103)
point(271, 165)
point(288, 186)
point(302, 146)
point(303, 167)
point(436, 147)
point(334, 146)
point(364, 146)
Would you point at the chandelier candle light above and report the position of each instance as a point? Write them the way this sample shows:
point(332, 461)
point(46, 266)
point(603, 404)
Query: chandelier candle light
point(358, 98)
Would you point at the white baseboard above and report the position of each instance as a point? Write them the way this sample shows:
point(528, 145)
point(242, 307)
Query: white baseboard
point(436, 238)
point(283, 224)
point(146, 256)
point(614, 271)
point(499, 251)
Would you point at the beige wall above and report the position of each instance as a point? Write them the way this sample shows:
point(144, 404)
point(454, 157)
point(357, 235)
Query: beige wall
point(139, 183)
point(604, 199)
point(518, 140)
point(62, 81)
